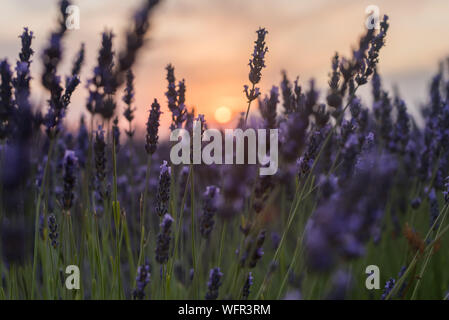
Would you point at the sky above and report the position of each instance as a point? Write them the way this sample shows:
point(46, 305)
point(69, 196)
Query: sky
point(209, 42)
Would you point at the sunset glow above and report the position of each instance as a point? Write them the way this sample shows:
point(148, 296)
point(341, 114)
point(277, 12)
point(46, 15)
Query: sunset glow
point(222, 115)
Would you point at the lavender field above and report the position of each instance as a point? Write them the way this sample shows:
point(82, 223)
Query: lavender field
point(357, 208)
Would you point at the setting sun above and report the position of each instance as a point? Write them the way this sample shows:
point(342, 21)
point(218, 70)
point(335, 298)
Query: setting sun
point(222, 115)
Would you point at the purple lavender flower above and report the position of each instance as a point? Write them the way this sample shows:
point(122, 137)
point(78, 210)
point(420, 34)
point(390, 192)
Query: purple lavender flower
point(341, 225)
point(389, 285)
point(210, 201)
point(287, 94)
point(214, 283)
point(26, 51)
point(116, 134)
point(163, 239)
point(142, 279)
point(77, 64)
point(367, 59)
point(101, 86)
point(51, 57)
point(350, 152)
point(433, 135)
point(100, 172)
point(376, 85)
point(247, 286)
point(82, 143)
point(53, 230)
point(152, 128)
point(334, 98)
point(176, 99)
point(292, 136)
point(69, 178)
point(163, 191)
point(22, 80)
point(135, 39)
point(306, 161)
point(100, 154)
point(128, 98)
point(382, 112)
point(59, 100)
point(256, 64)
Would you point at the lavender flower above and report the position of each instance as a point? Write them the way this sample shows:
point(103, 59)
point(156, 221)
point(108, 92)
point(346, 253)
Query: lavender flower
point(163, 192)
point(128, 98)
point(53, 233)
point(268, 108)
point(22, 80)
point(26, 51)
point(152, 128)
point(382, 113)
point(100, 154)
point(287, 94)
point(101, 86)
point(292, 133)
point(135, 39)
point(341, 225)
point(82, 143)
point(376, 86)
point(256, 64)
point(389, 285)
point(59, 100)
point(100, 172)
point(116, 135)
point(334, 98)
point(142, 279)
point(69, 179)
point(210, 199)
point(176, 99)
point(367, 60)
point(214, 283)
point(51, 56)
point(306, 161)
point(77, 64)
point(163, 239)
point(247, 286)
point(350, 152)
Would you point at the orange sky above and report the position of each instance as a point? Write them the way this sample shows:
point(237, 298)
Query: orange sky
point(210, 41)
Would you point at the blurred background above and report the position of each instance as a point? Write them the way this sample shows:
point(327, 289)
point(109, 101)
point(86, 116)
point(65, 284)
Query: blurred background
point(209, 42)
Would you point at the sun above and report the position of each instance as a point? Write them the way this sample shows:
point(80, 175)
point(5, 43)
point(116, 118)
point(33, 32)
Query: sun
point(222, 114)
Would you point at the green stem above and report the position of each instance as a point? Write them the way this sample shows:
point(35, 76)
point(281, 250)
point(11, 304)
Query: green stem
point(36, 218)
